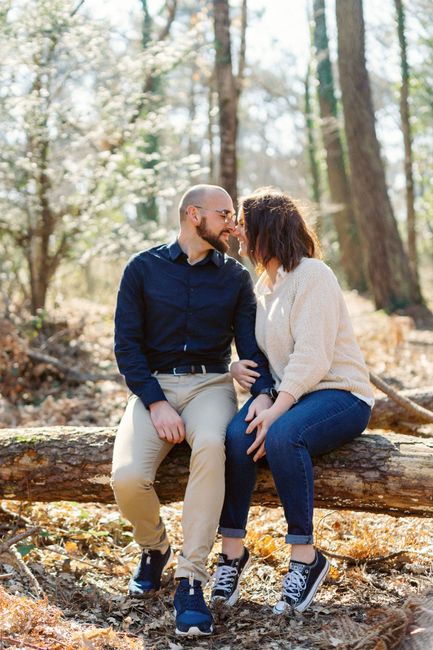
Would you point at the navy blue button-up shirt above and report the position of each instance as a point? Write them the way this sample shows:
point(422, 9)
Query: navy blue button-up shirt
point(170, 313)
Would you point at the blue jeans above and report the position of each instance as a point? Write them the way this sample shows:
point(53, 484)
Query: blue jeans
point(319, 422)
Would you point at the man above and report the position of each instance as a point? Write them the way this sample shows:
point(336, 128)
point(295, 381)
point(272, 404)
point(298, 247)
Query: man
point(178, 308)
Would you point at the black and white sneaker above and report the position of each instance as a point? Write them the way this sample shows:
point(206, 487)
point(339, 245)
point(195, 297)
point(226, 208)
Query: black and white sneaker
point(226, 579)
point(301, 583)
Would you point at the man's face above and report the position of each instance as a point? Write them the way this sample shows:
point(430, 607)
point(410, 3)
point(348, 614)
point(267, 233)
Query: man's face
point(216, 223)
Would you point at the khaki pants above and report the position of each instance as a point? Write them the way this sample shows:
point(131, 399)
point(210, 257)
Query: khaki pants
point(206, 403)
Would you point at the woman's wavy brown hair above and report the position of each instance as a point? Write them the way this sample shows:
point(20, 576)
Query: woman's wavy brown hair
point(274, 227)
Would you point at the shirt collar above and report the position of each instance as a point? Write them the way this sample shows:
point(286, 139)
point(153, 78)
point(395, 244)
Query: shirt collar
point(174, 250)
point(264, 287)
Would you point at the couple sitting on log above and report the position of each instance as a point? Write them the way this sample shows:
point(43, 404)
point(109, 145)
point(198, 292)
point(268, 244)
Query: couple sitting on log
point(179, 307)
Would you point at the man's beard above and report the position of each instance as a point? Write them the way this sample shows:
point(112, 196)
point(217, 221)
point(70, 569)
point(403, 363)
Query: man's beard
point(213, 240)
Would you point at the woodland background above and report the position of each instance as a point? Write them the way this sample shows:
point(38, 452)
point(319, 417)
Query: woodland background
point(108, 111)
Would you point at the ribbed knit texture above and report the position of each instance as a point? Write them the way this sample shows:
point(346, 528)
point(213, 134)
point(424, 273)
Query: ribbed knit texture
point(304, 328)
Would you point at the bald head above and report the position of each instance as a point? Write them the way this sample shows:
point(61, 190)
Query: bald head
point(200, 195)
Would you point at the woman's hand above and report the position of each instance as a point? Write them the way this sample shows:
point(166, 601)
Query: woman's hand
point(261, 422)
point(243, 372)
point(264, 419)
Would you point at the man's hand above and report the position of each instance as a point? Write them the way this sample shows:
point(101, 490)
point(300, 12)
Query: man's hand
point(167, 422)
point(243, 373)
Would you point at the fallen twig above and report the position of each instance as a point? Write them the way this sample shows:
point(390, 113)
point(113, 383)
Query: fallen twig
point(373, 560)
point(9, 639)
point(4, 546)
point(419, 412)
point(24, 570)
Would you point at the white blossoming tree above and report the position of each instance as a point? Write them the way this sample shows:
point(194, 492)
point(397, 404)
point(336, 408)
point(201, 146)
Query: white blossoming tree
point(74, 104)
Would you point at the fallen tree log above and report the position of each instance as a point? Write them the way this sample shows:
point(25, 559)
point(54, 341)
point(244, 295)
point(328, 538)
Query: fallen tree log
point(387, 414)
point(377, 473)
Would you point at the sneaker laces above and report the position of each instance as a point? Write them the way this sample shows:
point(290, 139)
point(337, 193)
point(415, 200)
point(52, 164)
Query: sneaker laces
point(293, 584)
point(225, 576)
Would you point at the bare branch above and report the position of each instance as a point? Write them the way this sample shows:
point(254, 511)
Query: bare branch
point(172, 6)
point(419, 412)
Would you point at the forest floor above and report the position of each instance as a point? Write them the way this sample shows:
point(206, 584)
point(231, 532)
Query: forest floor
point(378, 595)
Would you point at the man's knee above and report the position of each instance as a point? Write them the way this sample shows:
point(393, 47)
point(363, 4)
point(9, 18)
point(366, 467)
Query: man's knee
point(126, 479)
point(208, 449)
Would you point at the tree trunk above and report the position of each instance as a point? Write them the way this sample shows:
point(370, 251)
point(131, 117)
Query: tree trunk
point(210, 133)
point(227, 98)
point(407, 138)
point(313, 162)
point(389, 274)
point(389, 474)
point(344, 219)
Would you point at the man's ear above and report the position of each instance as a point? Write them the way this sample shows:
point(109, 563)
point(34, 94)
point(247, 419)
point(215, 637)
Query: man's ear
point(193, 215)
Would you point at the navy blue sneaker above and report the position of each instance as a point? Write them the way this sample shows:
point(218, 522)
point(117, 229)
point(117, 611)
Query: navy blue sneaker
point(146, 578)
point(193, 617)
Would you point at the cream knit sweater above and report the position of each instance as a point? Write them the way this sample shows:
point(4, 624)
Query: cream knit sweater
point(303, 327)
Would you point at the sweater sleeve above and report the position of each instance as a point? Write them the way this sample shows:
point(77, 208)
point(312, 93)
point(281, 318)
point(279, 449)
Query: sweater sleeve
point(314, 322)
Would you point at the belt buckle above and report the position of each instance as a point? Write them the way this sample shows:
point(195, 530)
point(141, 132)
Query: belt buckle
point(177, 374)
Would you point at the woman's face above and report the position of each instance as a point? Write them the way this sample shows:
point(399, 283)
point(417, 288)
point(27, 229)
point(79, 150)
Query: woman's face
point(240, 234)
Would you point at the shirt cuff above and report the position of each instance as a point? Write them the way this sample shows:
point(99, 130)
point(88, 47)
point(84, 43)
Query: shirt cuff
point(153, 393)
point(259, 386)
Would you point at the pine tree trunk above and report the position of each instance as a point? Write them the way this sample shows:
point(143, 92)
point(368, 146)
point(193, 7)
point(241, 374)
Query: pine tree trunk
point(389, 274)
point(227, 99)
point(407, 138)
point(343, 216)
point(315, 191)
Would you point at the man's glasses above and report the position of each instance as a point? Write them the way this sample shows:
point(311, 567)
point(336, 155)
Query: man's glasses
point(227, 215)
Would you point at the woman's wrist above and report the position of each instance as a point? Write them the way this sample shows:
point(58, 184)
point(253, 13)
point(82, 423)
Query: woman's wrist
point(283, 403)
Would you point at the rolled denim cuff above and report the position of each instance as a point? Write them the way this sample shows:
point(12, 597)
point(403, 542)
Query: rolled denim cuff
point(232, 532)
point(299, 539)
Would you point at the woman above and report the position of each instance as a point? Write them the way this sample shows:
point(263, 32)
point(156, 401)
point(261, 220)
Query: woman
point(322, 397)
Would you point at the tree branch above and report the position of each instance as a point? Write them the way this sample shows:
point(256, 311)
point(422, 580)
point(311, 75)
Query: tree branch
point(419, 412)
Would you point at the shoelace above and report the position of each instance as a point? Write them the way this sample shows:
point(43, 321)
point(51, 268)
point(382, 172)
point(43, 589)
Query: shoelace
point(224, 577)
point(293, 584)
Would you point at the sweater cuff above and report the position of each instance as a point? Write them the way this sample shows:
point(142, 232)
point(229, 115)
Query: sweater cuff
point(292, 387)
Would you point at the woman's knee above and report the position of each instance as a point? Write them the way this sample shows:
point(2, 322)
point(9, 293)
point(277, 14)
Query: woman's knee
point(281, 438)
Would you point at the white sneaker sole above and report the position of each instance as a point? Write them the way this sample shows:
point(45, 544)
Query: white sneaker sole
point(235, 595)
point(194, 631)
point(282, 606)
